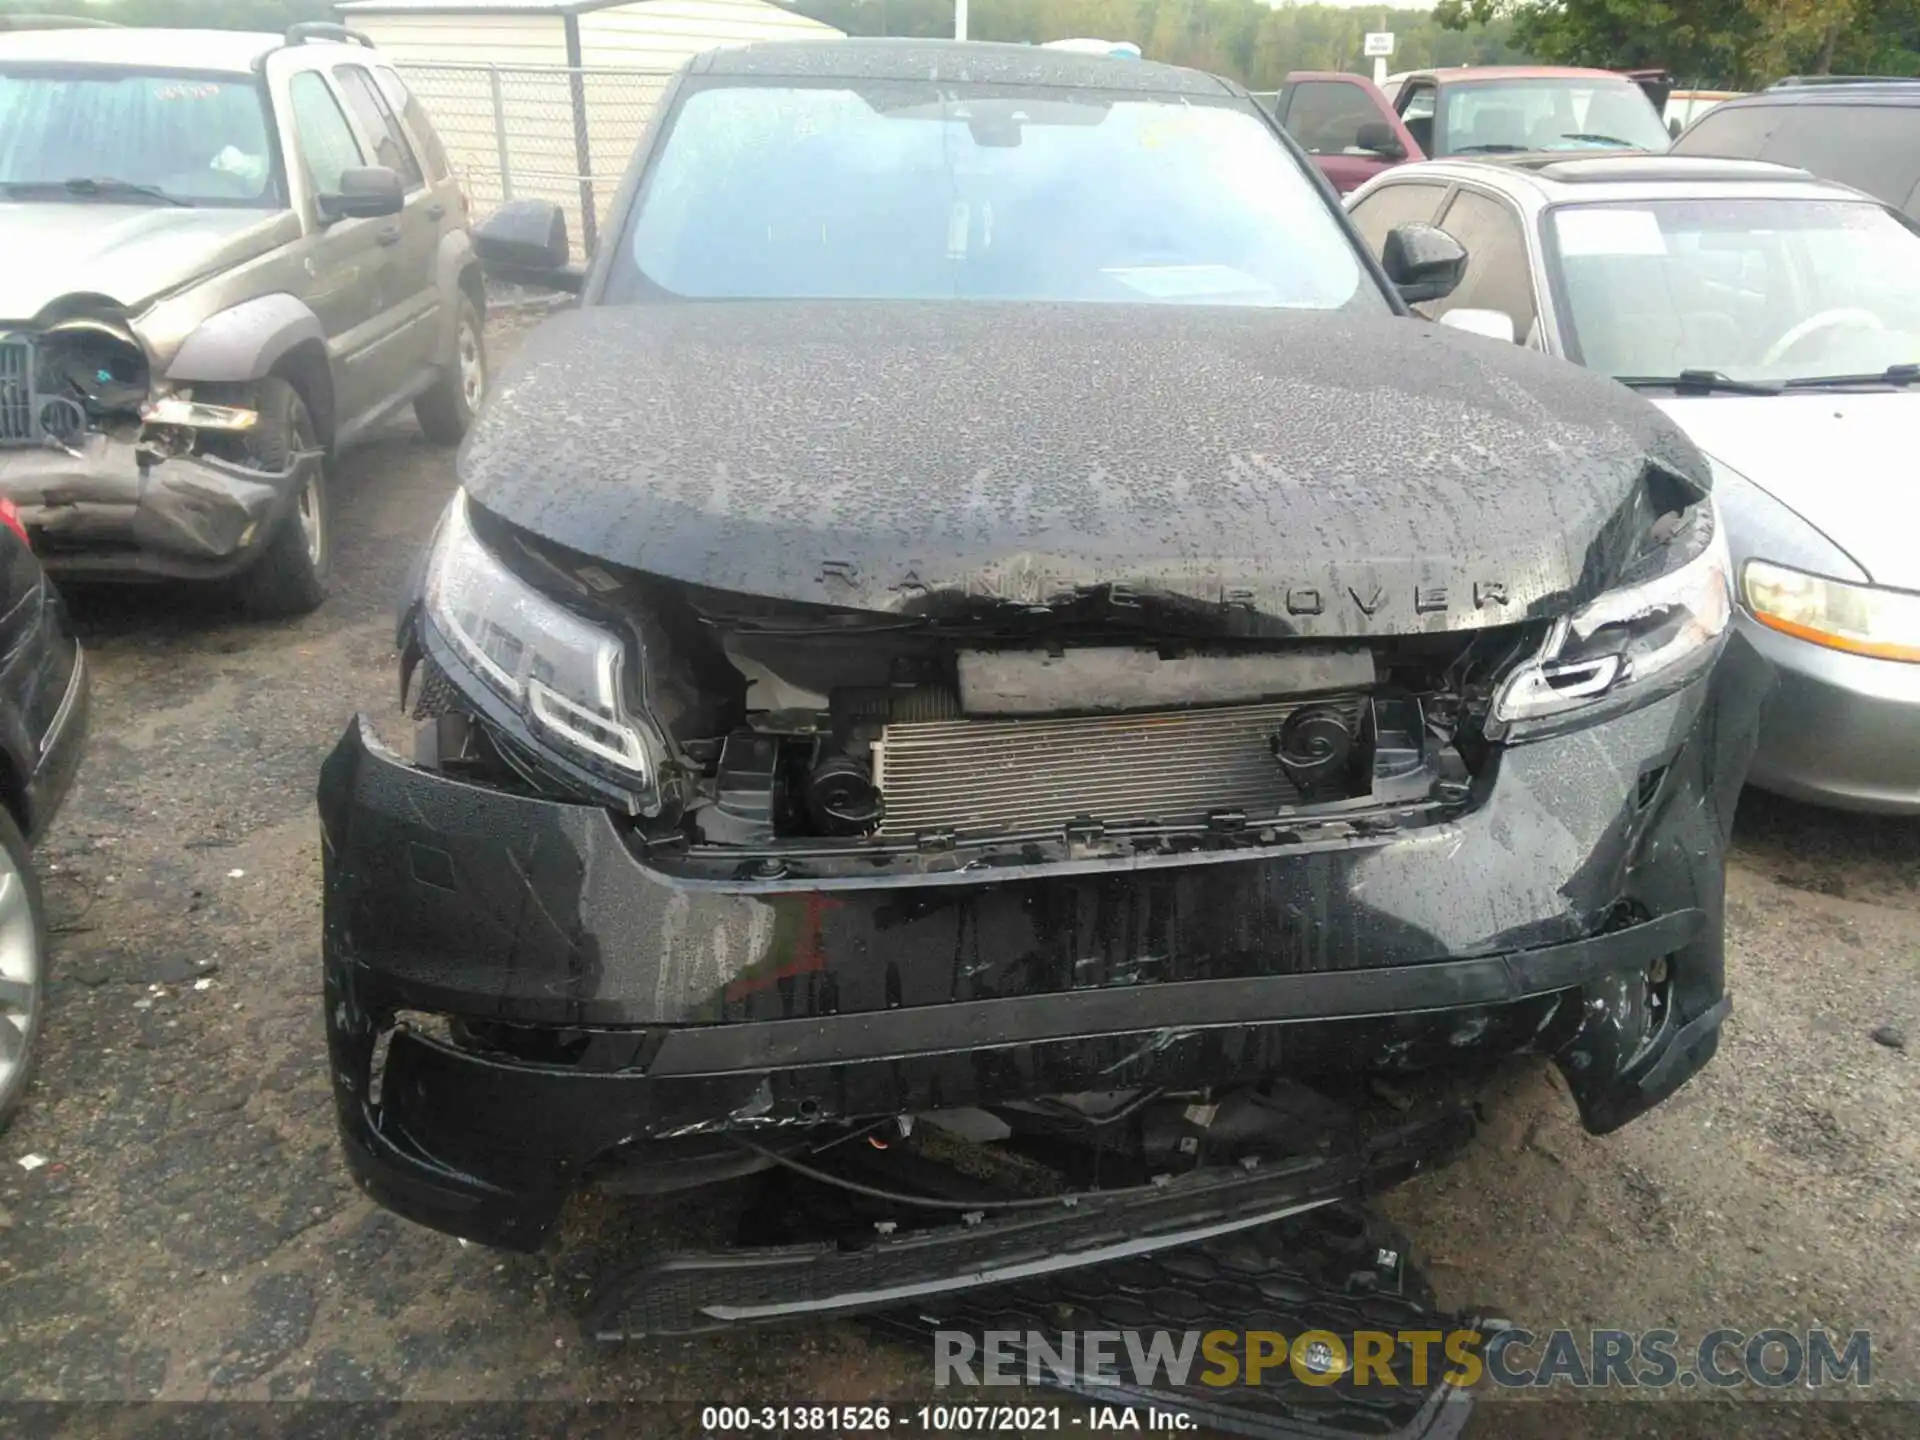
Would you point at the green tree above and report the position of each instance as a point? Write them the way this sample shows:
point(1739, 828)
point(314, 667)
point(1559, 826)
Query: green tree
point(1735, 43)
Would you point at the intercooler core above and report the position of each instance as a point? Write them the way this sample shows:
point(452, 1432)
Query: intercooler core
point(1162, 766)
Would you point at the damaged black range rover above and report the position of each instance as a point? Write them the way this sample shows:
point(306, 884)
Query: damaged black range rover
point(986, 654)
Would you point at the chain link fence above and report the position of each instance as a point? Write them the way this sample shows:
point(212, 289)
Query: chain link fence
point(539, 132)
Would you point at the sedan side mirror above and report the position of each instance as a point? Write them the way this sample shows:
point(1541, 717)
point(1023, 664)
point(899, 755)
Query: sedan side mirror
point(1377, 137)
point(1494, 324)
point(1423, 261)
point(366, 191)
point(524, 242)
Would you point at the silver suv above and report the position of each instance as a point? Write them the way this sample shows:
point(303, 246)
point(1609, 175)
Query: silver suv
point(228, 255)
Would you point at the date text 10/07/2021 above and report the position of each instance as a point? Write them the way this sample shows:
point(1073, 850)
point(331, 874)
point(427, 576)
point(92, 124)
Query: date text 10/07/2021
point(958, 1419)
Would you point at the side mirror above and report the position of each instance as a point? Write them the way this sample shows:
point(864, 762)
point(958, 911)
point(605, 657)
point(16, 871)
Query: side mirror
point(1494, 324)
point(366, 191)
point(1377, 137)
point(524, 242)
point(1423, 261)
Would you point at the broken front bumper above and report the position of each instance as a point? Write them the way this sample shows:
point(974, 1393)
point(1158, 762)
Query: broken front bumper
point(1573, 909)
point(98, 512)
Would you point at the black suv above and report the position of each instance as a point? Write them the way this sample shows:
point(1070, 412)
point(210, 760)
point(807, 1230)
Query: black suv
point(1862, 131)
point(989, 659)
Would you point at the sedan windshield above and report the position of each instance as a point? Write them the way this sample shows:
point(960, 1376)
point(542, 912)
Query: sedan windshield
point(98, 134)
point(912, 191)
point(1496, 117)
point(1753, 290)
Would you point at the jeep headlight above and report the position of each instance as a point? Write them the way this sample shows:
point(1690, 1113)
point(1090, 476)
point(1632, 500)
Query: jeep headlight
point(1630, 645)
point(562, 674)
point(1863, 619)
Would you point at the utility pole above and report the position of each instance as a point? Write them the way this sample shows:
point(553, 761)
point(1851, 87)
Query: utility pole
point(959, 19)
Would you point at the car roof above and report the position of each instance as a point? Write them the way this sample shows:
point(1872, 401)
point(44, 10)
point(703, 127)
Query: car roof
point(1536, 181)
point(1850, 92)
point(208, 50)
point(1482, 73)
point(954, 60)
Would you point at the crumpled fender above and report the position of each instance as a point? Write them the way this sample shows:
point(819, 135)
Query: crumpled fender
point(245, 341)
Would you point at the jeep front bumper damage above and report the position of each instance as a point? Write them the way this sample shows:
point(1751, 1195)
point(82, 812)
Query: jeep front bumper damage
point(102, 510)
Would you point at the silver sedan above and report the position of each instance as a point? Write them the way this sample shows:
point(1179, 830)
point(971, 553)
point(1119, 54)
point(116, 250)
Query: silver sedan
point(1776, 319)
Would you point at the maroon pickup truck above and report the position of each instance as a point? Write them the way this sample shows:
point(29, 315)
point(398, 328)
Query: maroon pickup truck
point(1353, 130)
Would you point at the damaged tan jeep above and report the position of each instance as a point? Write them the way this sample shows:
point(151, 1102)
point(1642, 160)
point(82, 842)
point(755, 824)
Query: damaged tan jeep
point(228, 256)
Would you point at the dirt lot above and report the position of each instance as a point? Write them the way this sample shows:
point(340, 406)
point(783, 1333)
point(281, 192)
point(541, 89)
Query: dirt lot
point(193, 1235)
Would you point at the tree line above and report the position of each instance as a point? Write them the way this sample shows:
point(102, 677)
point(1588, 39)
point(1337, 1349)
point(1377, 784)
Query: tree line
point(1251, 41)
point(1736, 44)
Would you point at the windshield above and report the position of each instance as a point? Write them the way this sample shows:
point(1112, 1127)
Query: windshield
point(1770, 290)
point(1509, 116)
point(198, 139)
point(913, 191)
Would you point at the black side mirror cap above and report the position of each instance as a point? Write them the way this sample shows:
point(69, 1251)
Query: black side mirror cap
point(366, 192)
point(1377, 137)
point(1424, 262)
point(524, 242)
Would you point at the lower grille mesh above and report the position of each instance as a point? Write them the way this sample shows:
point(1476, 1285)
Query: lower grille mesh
point(1168, 766)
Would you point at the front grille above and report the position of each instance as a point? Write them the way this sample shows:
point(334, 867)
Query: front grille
point(16, 391)
point(1163, 766)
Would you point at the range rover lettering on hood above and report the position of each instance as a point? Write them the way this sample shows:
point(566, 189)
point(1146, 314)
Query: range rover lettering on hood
point(1325, 473)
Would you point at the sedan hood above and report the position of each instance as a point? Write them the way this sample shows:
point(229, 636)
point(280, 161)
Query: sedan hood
point(129, 253)
point(1844, 462)
point(1333, 474)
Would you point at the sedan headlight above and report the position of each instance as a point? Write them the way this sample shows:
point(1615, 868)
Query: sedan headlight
point(1630, 645)
point(1863, 619)
point(562, 674)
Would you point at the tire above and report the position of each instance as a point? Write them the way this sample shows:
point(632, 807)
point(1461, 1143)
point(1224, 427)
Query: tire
point(24, 951)
point(290, 577)
point(446, 410)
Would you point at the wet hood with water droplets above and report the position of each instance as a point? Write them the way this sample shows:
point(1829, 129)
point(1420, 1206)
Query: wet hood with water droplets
point(1331, 474)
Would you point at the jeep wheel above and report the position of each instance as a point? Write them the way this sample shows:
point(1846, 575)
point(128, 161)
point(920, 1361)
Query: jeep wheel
point(290, 577)
point(446, 410)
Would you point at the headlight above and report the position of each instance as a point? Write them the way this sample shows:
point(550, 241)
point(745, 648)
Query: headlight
point(1863, 619)
point(561, 673)
point(1629, 645)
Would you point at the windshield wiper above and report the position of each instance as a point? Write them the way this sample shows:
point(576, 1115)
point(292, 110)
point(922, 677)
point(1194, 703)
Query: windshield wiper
point(1901, 375)
point(102, 186)
point(1704, 382)
point(1491, 149)
point(1598, 139)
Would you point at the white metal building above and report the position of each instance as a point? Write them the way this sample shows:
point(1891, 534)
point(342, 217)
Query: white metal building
point(547, 98)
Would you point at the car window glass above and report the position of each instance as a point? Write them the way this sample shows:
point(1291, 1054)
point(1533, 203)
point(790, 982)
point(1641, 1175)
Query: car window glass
point(198, 138)
point(326, 140)
point(912, 190)
point(1737, 132)
point(1509, 116)
point(400, 98)
point(1497, 276)
point(1756, 289)
point(1325, 116)
point(1395, 204)
point(1875, 148)
point(377, 119)
point(1416, 112)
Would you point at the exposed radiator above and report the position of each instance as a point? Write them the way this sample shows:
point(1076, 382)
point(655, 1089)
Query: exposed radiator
point(1168, 766)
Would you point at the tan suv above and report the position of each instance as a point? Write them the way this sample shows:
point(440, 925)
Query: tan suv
point(228, 256)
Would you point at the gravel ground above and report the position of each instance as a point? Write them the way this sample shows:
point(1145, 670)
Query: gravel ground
point(193, 1235)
